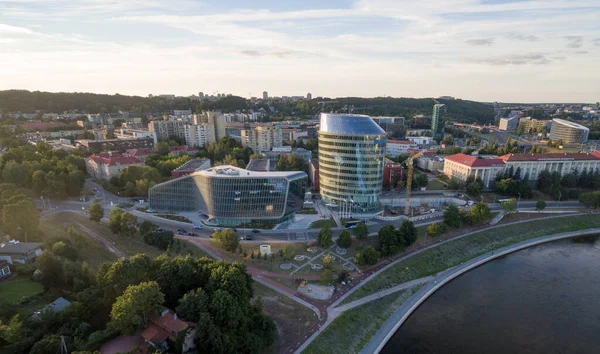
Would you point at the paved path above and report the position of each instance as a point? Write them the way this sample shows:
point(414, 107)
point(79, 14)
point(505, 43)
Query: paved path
point(382, 293)
point(102, 240)
point(387, 330)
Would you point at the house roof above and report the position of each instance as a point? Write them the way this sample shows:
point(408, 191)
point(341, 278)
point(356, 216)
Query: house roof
point(166, 325)
point(473, 161)
point(259, 165)
point(577, 156)
point(154, 334)
point(17, 247)
point(182, 148)
point(139, 152)
point(3, 263)
point(193, 165)
point(113, 158)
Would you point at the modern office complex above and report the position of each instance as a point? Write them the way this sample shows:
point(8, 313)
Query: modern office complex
point(232, 196)
point(568, 132)
point(351, 149)
point(508, 124)
point(437, 121)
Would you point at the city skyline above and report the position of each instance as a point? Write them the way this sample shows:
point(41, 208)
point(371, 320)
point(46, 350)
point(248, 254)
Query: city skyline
point(517, 51)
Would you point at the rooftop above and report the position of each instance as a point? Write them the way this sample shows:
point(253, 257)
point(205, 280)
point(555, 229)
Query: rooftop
point(262, 164)
point(193, 165)
point(349, 124)
point(473, 161)
point(140, 152)
point(113, 158)
point(403, 142)
point(577, 156)
point(570, 124)
point(166, 325)
point(16, 247)
point(229, 171)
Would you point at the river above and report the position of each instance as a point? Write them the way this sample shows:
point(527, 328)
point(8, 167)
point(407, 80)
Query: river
point(544, 299)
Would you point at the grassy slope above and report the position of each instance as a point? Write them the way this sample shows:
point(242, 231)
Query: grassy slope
point(452, 253)
point(14, 290)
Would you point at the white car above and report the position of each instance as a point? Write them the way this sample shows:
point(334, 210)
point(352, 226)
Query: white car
point(198, 227)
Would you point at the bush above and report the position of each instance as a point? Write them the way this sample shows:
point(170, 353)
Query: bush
point(345, 240)
point(369, 256)
point(161, 240)
point(228, 239)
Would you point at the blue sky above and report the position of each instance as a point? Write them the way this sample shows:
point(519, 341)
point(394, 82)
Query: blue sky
point(528, 51)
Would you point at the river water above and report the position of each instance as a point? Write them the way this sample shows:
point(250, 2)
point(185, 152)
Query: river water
point(544, 299)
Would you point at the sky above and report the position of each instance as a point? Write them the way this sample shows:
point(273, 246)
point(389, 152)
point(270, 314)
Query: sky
point(486, 50)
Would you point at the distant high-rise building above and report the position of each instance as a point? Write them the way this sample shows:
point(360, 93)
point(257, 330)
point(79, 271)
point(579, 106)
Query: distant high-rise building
point(309, 96)
point(167, 128)
point(437, 121)
point(215, 122)
point(201, 94)
point(265, 95)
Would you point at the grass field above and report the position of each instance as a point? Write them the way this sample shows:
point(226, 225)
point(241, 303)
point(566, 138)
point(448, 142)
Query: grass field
point(454, 252)
point(13, 290)
point(353, 329)
point(436, 185)
point(322, 223)
point(291, 318)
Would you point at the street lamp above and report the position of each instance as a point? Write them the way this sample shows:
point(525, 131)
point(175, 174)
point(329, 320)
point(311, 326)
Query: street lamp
point(559, 195)
point(518, 200)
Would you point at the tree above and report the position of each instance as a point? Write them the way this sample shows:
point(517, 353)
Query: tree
point(11, 333)
point(20, 215)
point(369, 256)
point(326, 277)
point(452, 216)
point(509, 206)
point(291, 162)
point(162, 148)
point(590, 199)
point(96, 211)
point(227, 239)
point(132, 310)
point(361, 231)
point(388, 241)
point(146, 227)
point(328, 261)
point(473, 185)
point(540, 205)
point(345, 240)
point(478, 214)
point(193, 304)
point(435, 230)
point(421, 180)
point(408, 232)
point(114, 220)
point(324, 238)
point(52, 271)
point(128, 224)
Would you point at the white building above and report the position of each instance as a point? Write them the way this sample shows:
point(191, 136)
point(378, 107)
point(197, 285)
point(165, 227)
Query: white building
point(399, 147)
point(461, 166)
point(215, 122)
point(167, 128)
point(508, 124)
point(198, 135)
point(569, 132)
point(420, 140)
point(109, 164)
point(125, 133)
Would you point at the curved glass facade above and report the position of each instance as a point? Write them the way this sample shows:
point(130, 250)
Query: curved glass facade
point(351, 153)
point(568, 132)
point(232, 195)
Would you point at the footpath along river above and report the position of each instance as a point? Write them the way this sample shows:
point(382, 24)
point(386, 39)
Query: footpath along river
point(543, 299)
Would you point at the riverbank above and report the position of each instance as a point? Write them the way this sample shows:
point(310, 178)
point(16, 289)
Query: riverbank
point(387, 330)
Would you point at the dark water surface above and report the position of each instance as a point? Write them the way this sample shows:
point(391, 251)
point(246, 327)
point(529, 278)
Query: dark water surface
point(544, 299)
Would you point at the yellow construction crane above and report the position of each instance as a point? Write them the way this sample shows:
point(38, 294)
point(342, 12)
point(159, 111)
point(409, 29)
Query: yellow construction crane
point(409, 162)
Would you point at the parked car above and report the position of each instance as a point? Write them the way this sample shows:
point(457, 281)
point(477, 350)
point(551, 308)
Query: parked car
point(161, 230)
point(255, 231)
point(198, 227)
point(218, 229)
point(192, 234)
point(181, 230)
point(249, 237)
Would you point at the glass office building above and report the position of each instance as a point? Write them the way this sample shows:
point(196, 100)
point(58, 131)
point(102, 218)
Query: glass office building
point(351, 149)
point(232, 196)
point(568, 132)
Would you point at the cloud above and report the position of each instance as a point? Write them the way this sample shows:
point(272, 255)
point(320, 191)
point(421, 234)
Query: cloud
point(574, 41)
point(524, 59)
point(596, 41)
point(479, 42)
point(581, 52)
point(521, 37)
point(275, 53)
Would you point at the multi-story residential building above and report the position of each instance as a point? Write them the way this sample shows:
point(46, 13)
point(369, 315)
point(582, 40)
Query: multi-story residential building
point(106, 165)
point(431, 163)
point(115, 144)
point(293, 134)
point(20, 252)
point(399, 147)
point(197, 134)
point(351, 152)
point(461, 166)
point(129, 133)
point(167, 128)
point(529, 125)
point(508, 124)
point(309, 96)
point(215, 125)
point(262, 138)
point(438, 121)
point(232, 196)
point(569, 132)
point(265, 95)
point(391, 172)
point(181, 150)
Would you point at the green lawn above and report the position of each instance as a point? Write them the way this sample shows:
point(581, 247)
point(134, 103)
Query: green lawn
point(454, 252)
point(14, 290)
point(436, 185)
point(322, 223)
point(353, 329)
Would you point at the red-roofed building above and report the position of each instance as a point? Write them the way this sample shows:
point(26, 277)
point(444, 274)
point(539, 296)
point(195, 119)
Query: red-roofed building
point(461, 166)
point(106, 165)
point(182, 149)
point(140, 153)
point(391, 171)
point(167, 326)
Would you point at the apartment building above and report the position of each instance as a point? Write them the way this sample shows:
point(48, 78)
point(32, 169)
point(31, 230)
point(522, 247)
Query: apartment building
point(262, 138)
point(167, 128)
point(399, 147)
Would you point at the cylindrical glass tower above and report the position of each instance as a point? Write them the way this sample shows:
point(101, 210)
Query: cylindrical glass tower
point(351, 153)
